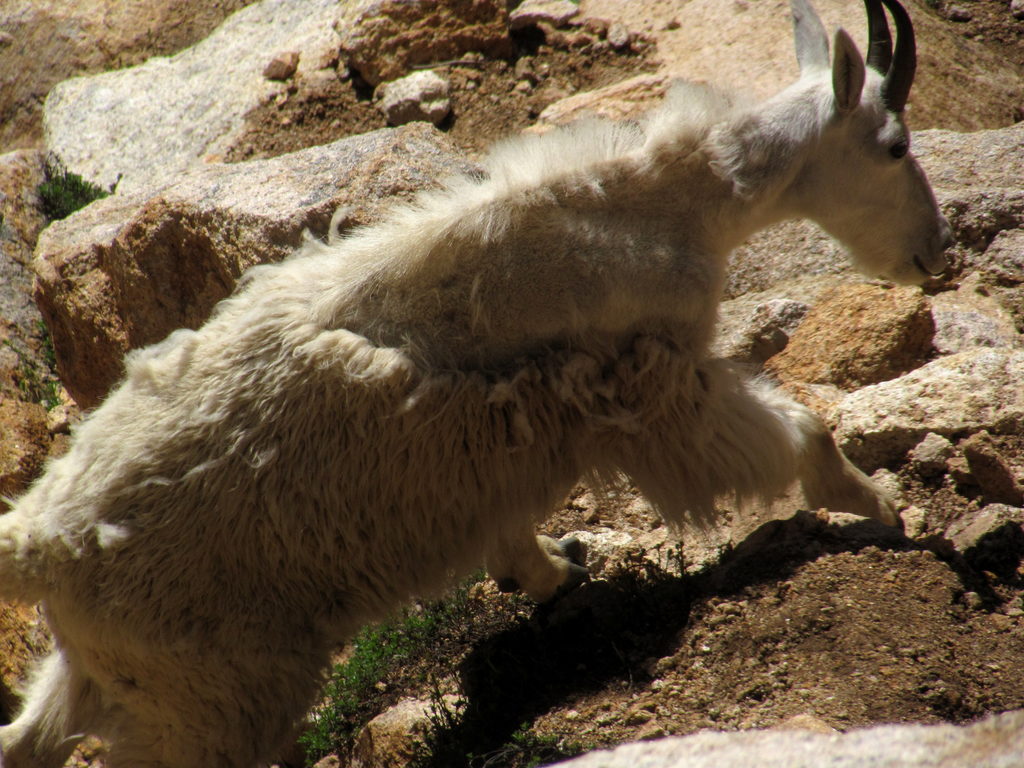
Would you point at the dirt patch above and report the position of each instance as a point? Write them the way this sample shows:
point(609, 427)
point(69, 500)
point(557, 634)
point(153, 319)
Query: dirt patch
point(818, 625)
point(491, 98)
point(847, 622)
point(989, 22)
point(836, 620)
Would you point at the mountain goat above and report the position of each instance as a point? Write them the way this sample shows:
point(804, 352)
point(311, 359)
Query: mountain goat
point(374, 416)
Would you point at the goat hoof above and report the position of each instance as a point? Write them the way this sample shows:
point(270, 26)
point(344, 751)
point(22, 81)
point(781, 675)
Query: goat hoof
point(574, 549)
point(577, 575)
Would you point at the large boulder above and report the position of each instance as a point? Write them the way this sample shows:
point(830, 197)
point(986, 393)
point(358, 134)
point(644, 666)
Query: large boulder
point(627, 99)
point(21, 221)
point(24, 444)
point(21, 218)
point(45, 41)
point(995, 742)
point(858, 335)
point(126, 270)
point(168, 114)
point(23, 638)
point(970, 317)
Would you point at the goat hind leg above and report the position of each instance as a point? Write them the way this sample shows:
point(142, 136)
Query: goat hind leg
point(50, 724)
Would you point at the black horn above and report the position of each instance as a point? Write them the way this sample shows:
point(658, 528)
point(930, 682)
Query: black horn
point(879, 39)
point(899, 75)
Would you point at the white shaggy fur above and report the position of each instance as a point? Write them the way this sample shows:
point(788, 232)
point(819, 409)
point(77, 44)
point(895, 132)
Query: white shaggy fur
point(375, 416)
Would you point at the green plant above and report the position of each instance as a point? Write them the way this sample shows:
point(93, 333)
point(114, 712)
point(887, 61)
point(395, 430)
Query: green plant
point(529, 750)
point(63, 192)
point(513, 661)
point(351, 696)
point(452, 736)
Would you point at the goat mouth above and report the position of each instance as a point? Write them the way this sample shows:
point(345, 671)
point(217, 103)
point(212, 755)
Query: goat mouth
point(920, 265)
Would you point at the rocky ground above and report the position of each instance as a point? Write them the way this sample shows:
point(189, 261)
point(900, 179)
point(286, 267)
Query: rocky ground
point(776, 617)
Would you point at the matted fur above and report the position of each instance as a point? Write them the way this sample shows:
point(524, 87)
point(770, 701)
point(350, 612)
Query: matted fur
point(379, 414)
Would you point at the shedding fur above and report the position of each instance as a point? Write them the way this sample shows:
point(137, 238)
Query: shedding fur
point(382, 412)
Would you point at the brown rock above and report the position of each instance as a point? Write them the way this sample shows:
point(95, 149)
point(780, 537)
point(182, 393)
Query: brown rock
point(21, 332)
point(530, 13)
point(282, 66)
point(627, 99)
point(990, 471)
point(858, 335)
point(971, 317)
point(806, 722)
point(24, 443)
point(23, 637)
point(619, 36)
point(126, 270)
point(21, 219)
point(991, 538)
point(390, 739)
point(931, 455)
point(384, 39)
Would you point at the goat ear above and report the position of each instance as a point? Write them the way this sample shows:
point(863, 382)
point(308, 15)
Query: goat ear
point(810, 37)
point(847, 72)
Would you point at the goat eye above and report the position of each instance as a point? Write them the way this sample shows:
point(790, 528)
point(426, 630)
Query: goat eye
point(899, 149)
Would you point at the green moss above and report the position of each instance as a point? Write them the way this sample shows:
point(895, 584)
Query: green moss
point(37, 384)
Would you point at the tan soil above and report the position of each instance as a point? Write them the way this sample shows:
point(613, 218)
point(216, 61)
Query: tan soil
point(487, 102)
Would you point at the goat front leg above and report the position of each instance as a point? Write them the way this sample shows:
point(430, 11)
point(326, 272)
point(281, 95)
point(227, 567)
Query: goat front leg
point(540, 566)
point(733, 435)
point(830, 480)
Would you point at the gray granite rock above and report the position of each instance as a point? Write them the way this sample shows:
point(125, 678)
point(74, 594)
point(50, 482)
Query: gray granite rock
point(171, 113)
point(954, 395)
point(996, 742)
